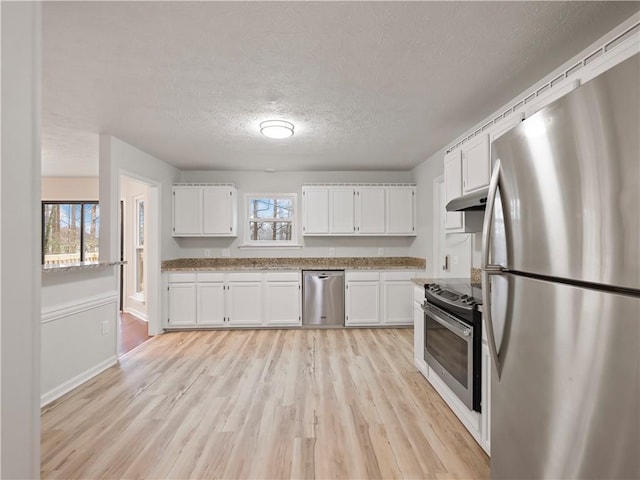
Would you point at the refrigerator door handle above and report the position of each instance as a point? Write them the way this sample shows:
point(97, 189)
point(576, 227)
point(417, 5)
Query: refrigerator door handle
point(489, 269)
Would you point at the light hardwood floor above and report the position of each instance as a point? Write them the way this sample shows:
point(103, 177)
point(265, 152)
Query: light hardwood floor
point(260, 404)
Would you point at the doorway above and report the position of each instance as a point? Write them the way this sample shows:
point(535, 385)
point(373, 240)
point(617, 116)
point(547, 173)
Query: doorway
point(133, 321)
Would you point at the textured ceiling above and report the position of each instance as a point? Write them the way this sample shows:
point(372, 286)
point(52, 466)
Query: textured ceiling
point(369, 85)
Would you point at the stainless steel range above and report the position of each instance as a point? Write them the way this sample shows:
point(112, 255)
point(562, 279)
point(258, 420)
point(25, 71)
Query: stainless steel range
point(453, 337)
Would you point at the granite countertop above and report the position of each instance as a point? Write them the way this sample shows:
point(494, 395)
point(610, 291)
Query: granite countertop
point(65, 267)
point(295, 263)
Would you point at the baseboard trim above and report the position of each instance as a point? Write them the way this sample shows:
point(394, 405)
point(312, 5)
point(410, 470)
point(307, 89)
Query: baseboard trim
point(76, 381)
point(137, 314)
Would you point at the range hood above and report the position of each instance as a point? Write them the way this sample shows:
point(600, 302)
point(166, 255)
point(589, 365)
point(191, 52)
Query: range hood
point(469, 202)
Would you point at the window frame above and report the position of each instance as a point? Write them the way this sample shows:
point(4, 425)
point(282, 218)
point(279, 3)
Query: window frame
point(138, 200)
point(82, 204)
point(293, 220)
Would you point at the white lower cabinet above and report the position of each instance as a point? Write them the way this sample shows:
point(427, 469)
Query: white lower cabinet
point(235, 299)
point(418, 331)
point(244, 303)
point(282, 299)
point(378, 298)
point(210, 304)
point(272, 299)
point(362, 298)
point(182, 304)
point(397, 297)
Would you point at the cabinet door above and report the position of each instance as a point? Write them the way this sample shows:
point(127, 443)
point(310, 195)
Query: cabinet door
point(316, 211)
point(244, 303)
point(370, 211)
point(187, 211)
point(182, 304)
point(453, 188)
point(218, 213)
point(398, 302)
point(400, 210)
point(362, 303)
point(210, 303)
point(476, 164)
point(418, 336)
point(282, 303)
point(341, 210)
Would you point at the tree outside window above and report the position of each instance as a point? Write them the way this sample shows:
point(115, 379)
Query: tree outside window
point(271, 219)
point(70, 232)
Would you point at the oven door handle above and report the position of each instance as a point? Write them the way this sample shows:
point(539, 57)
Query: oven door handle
point(454, 326)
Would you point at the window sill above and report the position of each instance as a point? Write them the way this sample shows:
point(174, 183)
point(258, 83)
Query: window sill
point(251, 246)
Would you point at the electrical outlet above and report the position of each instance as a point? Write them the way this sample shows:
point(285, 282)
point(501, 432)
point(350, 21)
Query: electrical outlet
point(381, 252)
point(332, 252)
point(105, 327)
point(207, 252)
point(454, 259)
point(226, 253)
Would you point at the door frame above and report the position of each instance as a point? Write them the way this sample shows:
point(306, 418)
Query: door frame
point(153, 248)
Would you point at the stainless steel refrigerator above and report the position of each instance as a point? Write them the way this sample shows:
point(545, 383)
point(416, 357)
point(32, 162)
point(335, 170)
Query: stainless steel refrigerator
point(561, 245)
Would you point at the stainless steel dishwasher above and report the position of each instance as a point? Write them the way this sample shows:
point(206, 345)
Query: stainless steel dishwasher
point(323, 298)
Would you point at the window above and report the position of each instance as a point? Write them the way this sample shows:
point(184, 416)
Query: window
point(271, 219)
point(70, 232)
point(139, 247)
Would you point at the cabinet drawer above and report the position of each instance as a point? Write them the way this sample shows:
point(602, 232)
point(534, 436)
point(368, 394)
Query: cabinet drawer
point(181, 277)
point(282, 276)
point(244, 277)
point(211, 277)
point(364, 276)
point(398, 276)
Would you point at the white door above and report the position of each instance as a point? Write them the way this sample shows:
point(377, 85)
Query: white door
point(244, 303)
point(182, 304)
point(398, 302)
point(187, 211)
point(210, 303)
point(342, 210)
point(453, 188)
point(362, 303)
point(370, 211)
point(217, 211)
point(282, 303)
point(400, 210)
point(316, 210)
point(475, 164)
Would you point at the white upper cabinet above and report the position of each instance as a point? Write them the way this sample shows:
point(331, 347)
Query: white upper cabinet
point(374, 210)
point(453, 188)
point(315, 210)
point(370, 211)
point(401, 210)
point(205, 211)
point(342, 211)
point(187, 211)
point(476, 170)
point(219, 211)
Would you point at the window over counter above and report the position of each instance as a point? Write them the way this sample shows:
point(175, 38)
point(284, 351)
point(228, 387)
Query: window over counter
point(271, 219)
point(70, 231)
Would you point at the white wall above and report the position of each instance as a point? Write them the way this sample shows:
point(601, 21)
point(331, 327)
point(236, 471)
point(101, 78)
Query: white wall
point(69, 188)
point(291, 182)
point(456, 245)
point(20, 241)
point(79, 314)
point(130, 190)
point(118, 158)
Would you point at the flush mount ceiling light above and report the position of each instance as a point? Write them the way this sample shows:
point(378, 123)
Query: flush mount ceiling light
point(276, 128)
